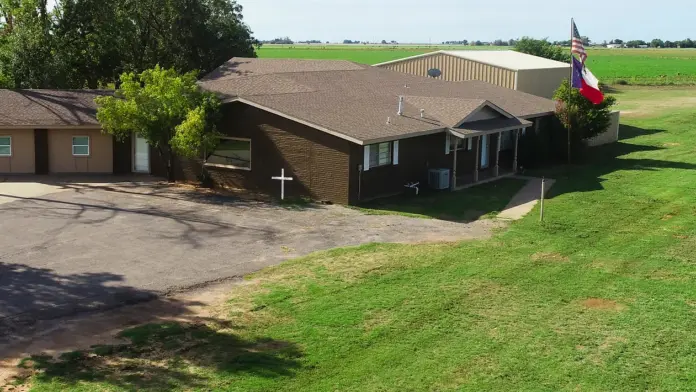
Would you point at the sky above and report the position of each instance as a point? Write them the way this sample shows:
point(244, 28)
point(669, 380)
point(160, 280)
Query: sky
point(422, 21)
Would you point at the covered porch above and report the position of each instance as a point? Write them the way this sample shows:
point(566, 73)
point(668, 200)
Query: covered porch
point(495, 142)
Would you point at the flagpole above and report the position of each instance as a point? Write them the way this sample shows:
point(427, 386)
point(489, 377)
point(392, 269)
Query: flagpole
point(570, 85)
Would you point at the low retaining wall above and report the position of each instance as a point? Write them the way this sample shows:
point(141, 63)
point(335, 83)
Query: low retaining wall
point(611, 135)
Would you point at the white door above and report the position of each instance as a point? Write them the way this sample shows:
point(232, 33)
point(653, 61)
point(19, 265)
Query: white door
point(484, 151)
point(141, 155)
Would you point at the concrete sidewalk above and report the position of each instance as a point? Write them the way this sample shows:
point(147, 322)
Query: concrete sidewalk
point(525, 200)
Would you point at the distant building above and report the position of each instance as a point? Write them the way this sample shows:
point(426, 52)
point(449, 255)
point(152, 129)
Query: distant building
point(615, 46)
point(505, 68)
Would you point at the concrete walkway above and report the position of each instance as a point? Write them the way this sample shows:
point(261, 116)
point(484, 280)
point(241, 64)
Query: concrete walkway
point(525, 200)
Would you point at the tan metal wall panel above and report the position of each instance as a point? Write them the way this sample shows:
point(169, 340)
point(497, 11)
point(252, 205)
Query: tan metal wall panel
point(61, 160)
point(456, 69)
point(541, 82)
point(611, 135)
point(22, 159)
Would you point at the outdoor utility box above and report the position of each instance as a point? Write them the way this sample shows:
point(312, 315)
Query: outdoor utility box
point(439, 178)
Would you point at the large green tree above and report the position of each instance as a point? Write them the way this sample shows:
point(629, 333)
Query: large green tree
point(89, 43)
point(164, 107)
point(542, 48)
point(26, 44)
point(584, 119)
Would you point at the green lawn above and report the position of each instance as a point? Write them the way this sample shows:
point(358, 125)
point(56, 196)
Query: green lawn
point(479, 202)
point(600, 297)
point(633, 66)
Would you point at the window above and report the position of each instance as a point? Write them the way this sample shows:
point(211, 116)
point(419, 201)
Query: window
point(5, 146)
point(460, 143)
point(231, 152)
point(80, 146)
point(380, 154)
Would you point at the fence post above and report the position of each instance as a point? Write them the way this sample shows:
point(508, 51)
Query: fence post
point(543, 185)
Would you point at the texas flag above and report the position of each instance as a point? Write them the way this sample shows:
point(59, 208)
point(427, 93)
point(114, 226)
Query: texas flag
point(586, 82)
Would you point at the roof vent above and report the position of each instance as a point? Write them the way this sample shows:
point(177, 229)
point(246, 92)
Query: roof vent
point(388, 120)
point(422, 113)
point(401, 106)
point(434, 72)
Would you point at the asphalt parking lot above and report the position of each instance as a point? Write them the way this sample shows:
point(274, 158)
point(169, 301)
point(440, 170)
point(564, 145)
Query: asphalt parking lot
point(72, 247)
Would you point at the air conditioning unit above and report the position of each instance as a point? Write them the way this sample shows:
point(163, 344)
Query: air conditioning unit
point(439, 178)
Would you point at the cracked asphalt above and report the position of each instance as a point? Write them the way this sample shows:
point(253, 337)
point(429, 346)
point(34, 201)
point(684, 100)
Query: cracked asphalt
point(82, 247)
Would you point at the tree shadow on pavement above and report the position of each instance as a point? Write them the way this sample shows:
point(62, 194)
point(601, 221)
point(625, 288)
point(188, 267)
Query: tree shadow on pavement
point(170, 356)
point(29, 295)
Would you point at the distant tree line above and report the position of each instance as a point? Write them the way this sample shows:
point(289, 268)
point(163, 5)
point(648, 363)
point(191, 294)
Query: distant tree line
point(656, 43)
point(279, 41)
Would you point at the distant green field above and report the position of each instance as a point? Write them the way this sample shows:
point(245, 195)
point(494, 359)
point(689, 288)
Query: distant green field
point(611, 66)
point(644, 66)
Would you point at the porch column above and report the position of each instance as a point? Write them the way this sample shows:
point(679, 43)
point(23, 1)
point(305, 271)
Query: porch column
point(454, 165)
point(496, 169)
point(478, 159)
point(514, 159)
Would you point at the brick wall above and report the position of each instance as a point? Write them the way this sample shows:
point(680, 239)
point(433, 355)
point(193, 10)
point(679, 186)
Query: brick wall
point(416, 156)
point(318, 162)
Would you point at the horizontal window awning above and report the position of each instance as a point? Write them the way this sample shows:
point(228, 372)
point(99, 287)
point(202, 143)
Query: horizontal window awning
point(485, 127)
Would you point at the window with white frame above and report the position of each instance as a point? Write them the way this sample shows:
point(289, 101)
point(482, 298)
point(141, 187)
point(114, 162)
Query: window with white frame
point(5, 146)
point(80, 146)
point(381, 154)
point(460, 144)
point(231, 152)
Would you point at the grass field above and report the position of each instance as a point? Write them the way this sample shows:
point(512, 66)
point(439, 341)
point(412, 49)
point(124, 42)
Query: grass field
point(599, 297)
point(632, 66)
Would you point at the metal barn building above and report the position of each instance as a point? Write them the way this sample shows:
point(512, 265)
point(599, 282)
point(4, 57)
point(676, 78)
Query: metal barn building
point(506, 68)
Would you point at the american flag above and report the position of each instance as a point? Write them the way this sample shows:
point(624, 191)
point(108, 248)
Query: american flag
point(577, 46)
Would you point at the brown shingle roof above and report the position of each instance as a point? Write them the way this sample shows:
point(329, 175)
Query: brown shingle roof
point(46, 108)
point(243, 67)
point(354, 101)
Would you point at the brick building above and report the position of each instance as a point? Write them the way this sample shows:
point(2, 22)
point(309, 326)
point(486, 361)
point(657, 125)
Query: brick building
point(344, 132)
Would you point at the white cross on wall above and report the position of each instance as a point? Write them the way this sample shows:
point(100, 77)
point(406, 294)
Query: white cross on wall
point(282, 179)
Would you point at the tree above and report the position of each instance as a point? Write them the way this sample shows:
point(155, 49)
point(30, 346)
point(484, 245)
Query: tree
point(616, 41)
point(164, 107)
point(541, 48)
point(89, 43)
point(635, 43)
point(585, 119)
point(687, 43)
point(26, 44)
point(657, 43)
point(499, 42)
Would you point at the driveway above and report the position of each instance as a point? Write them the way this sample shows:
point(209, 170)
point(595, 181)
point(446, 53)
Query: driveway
point(73, 247)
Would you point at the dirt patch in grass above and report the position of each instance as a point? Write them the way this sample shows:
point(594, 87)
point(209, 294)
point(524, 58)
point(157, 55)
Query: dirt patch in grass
point(376, 319)
point(56, 337)
point(667, 217)
point(671, 144)
point(602, 304)
point(647, 108)
point(550, 256)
